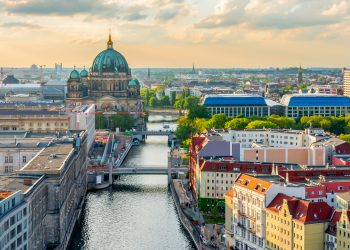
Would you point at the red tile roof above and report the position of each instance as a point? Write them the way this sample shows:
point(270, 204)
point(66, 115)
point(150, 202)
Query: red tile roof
point(253, 184)
point(302, 210)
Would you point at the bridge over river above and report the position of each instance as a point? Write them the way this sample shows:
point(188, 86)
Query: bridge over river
point(140, 170)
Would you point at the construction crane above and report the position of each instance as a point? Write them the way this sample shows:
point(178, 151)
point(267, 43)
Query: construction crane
point(41, 72)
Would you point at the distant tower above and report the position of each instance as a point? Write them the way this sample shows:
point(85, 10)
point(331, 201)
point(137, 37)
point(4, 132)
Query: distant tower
point(148, 74)
point(300, 75)
point(193, 69)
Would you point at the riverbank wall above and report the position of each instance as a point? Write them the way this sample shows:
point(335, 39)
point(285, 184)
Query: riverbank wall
point(185, 222)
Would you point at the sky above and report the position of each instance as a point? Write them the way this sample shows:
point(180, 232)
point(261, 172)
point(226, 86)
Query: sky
point(177, 33)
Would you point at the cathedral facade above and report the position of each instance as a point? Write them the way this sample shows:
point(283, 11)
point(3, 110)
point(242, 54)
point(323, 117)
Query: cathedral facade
point(108, 84)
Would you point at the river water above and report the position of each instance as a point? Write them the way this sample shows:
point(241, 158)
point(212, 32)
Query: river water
point(137, 212)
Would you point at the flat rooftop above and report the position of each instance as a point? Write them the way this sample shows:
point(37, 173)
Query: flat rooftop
point(11, 184)
point(50, 159)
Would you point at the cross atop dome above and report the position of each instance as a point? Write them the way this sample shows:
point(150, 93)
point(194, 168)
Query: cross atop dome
point(110, 42)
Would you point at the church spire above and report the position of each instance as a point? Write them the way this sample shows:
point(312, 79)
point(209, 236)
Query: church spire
point(110, 42)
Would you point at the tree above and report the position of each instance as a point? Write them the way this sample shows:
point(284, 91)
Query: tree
point(179, 104)
point(199, 124)
point(100, 121)
point(282, 121)
point(197, 111)
point(237, 123)
point(261, 124)
point(172, 97)
point(164, 101)
point(345, 137)
point(190, 102)
point(217, 121)
point(184, 128)
point(123, 122)
point(153, 102)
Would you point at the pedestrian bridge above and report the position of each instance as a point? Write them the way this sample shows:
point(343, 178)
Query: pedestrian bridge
point(142, 170)
point(155, 132)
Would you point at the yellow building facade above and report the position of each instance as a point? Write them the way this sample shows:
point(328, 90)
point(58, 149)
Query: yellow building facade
point(343, 231)
point(229, 218)
point(33, 120)
point(296, 224)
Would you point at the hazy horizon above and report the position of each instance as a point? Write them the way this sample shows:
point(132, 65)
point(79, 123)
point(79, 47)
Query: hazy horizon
point(175, 33)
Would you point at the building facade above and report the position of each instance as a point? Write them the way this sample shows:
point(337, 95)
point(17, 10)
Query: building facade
point(298, 105)
point(13, 221)
point(108, 84)
point(33, 120)
point(235, 105)
point(252, 194)
point(292, 223)
point(346, 82)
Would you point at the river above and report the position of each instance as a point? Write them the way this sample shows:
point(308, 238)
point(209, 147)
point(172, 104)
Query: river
point(137, 212)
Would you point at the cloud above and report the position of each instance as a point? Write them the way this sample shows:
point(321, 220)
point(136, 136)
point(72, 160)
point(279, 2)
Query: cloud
point(136, 16)
point(340, 8)
point(276, 14)
point(20, 25)
point(62, 7)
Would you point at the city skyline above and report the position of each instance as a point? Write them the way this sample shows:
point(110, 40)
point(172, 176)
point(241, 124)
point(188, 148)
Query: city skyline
point(166, 33)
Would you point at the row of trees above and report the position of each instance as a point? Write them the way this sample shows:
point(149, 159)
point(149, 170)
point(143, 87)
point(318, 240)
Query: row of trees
point(123, 122)
point(150, 98)
point(191, 125)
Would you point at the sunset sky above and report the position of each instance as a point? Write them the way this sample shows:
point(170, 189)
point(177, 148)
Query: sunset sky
point(177, 33)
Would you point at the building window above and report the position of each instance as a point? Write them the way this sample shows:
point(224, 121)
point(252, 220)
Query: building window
point(24, 159)
point(8, 159)
point(8, 169)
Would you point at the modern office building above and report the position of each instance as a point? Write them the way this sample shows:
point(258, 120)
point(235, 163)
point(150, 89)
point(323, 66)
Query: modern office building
point(245, 105)
point(346, 82)
point(298, 105)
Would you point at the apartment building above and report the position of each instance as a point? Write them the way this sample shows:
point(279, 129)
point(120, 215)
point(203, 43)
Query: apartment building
point(217, 175)
point(16, 153)
point(343, 231)
point(53, 185)
point(252, 193)
point(229, 218)
point(274, 137)
point(13, 220)
point(295, 224)
point(331, 232)
point(346, 82)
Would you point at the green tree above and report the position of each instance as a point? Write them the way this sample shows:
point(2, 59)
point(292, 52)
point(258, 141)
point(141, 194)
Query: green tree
point(184, 128)
point(345, 137)
point(153, 102)
point(123, 122)
point(100, 121)
point(190, 102)
point(197, 111)
point(339, 125)
point(164, 101)
point(199, 124)
point(237, 123)
point(282, 121)
point(261, 124)
point(217, 121)
point(172, 97)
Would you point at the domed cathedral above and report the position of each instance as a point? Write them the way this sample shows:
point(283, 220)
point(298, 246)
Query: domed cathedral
point(109, 83)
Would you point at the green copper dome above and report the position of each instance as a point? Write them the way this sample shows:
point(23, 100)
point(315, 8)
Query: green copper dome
point(133, 83)
point(74, 75)
point(84, 73)
point(110, 61)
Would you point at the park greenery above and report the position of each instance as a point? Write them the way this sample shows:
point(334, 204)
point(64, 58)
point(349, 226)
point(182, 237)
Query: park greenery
point(121, 121)
point(197, 121)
